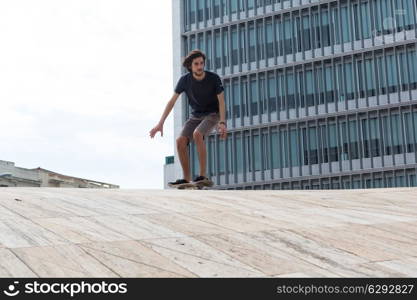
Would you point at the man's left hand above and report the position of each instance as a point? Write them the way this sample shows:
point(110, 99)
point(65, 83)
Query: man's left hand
point(222, 130)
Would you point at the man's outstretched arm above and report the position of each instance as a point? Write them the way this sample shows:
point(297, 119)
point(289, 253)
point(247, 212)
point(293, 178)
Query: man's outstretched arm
point(168, 108)
point(222, 111)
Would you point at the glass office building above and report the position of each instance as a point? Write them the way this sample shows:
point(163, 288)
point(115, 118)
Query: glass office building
point(319, 94)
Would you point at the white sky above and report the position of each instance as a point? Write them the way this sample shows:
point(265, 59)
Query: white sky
point(81, 84)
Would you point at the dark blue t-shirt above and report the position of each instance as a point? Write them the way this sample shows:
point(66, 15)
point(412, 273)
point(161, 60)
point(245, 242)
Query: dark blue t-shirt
point(202, 94)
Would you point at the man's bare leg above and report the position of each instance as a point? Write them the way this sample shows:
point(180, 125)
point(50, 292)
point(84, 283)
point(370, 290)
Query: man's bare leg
point(182, 148)
point(202, 152)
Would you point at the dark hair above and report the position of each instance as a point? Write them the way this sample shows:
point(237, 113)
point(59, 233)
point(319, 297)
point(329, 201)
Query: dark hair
point(191, 56)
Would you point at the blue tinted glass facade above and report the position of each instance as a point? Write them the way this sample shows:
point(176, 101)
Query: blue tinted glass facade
point(319, 94)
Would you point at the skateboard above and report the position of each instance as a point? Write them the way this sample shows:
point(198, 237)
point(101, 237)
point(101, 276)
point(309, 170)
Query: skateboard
point(205, 185)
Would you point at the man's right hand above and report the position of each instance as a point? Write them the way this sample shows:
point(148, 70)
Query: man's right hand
point(157, 128)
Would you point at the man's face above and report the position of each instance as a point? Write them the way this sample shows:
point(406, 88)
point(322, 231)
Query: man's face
point(197, 66)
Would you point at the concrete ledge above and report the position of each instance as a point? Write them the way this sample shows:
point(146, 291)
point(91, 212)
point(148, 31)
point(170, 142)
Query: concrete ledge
point(48, 232)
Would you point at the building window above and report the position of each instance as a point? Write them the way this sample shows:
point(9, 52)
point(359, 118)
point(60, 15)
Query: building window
point(230, 155)
point(276, 150)
point(344, 142)
point(236, 99)
point(399, 181)
point(387, 135)
point(266, 151)
point(225, 47)
point(233, 7)
point(251, 4)
point(252, 42)
point(374, 137)
point(329, 84)
point(245, 97)
point(229, 99)
point(365, 138)
point(309, 88)
point(397, 137)
point(346, 24)
point(316, 28)
point(365, 20)
point(272, 93)
point(234, 46)
point(222, 153)
point(281, 92)
point(288, 36)
point(340, 88)
point(192, 11)
point(239, 154)
point(392, 73)
point(353, 140)
point(285, 148)
point(254, 98)
point(243, 44)
point(350, 80)
point(257, 152)
point(295, 146)
point(413, 180)
point(216, 8)
point(218, 50)
point(262, 90)
point(269, 39)
point(200, 10)
point(248, 153)
point(333, 143)
point(192, 43)
point(208, 53)
point(208, 9)
point(326, 30)
point(290, 91)
point(403, 67)
point(313, 149)
point(200, 43)
point(279, 40)
point(211, 156)
point(408, 12)
point(412, 63)
point(360, 81)
point(306, 33)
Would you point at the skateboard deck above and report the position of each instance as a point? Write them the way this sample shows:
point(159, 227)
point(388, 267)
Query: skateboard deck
point(205, 185)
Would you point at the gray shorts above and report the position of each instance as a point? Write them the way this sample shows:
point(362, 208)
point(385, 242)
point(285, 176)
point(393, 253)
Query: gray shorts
point(204, 125)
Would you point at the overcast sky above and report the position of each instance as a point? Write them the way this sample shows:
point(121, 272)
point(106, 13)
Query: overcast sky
point(81, 84)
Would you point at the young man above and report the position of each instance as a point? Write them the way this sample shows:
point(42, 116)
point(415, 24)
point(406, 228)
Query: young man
point(204, 90)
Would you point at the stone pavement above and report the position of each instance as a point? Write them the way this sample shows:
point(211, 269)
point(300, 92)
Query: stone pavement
point(50, 232)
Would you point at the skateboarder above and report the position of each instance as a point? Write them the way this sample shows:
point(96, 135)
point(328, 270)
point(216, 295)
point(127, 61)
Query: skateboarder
point(205, 92)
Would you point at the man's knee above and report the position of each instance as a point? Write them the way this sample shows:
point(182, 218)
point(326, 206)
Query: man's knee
point(182, 142)
point(198, 136)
